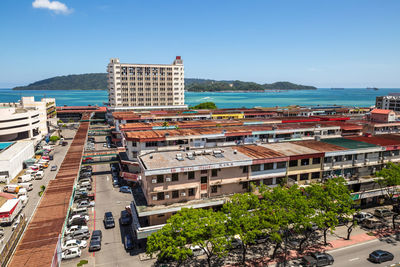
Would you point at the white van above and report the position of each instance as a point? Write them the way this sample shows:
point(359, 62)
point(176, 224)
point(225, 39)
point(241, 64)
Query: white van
point(27, 186)
point(4, 179)
point(31, 172)
point(39, 175)
point(25, 178)
point(24, 199)
point(22, 192)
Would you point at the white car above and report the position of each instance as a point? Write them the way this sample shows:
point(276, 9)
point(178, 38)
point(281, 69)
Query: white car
point(85, 204)
point(71, 253)
point(74, 228)
point(361, 216)
point(74, 243)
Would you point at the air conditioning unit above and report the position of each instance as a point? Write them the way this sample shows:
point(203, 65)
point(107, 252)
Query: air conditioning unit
point(168, 179)
point(154, 197)
point(166, 196)
point(154, 181)
point(183, 194)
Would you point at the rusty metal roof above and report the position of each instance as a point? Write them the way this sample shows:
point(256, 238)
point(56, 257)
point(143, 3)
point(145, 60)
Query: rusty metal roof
point(380, 140)
point(320, 146)
point(259, 152)
point(38, 244)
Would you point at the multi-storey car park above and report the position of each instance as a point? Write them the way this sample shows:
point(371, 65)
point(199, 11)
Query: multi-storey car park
point(204, 178)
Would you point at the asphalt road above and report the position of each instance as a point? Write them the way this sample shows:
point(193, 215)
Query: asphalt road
point(107, 198)
point(356, 255)
point(59, 153)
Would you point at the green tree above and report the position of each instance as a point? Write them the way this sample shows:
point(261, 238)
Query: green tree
point(54, 138)
point(243, 219)
point(165, 124)
point(196, 227)
point(205, 105)
point(332, 201)
point(389, 179)
point(168, 244)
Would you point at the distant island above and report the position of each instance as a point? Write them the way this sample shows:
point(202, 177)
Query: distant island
point(98, 81)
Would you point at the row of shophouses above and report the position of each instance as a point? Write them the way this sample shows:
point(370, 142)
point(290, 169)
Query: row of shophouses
point(200, 163)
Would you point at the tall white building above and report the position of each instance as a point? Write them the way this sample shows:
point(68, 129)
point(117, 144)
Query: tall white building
point(391, 101)
point(146, 86)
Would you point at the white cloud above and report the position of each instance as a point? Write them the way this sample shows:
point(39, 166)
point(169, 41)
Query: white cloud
point(55, 6)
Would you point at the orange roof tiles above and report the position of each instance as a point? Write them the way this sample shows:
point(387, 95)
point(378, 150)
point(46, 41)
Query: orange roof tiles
point(381, 111)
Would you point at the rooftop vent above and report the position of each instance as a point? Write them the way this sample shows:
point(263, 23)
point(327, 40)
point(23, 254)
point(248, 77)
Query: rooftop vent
point(179, 157)
point(198, 152)
point(207, 152)
point(190, 156)
point(218, 154)
point(234, 151)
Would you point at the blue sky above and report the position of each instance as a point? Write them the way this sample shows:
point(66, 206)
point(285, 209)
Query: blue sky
point(326, 43)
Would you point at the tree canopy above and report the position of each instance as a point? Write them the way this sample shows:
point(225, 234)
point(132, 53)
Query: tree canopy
point(205, 105)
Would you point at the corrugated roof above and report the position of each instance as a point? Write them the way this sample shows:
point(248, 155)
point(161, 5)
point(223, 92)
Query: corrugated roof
point(381, 140)
point(38, 244)
point(319, 146)
point(347, 143)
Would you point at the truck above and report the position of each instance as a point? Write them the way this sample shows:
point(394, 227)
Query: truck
point(11, 188)
point(9, 211)
point(39, 175)
point(22, 192)
point(25, 178)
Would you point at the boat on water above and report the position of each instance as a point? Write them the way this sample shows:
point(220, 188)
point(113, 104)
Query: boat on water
point(372, 88)
point(337, 88)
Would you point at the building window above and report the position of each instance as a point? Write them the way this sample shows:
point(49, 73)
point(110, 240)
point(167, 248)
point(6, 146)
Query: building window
point(245, 169)
point(281, 165)
point(214, 172)
point(191, 192)
point(175, 177)
point(305, 162)
point(303, 176)
point(245, 185)
point(348, 157)
point(328, 159)
point(316, 160)
point(291, 177)
point(255, 168)
point(214, 189)
point(203, 171)
point(315, 175)
point(160, 196)
point(151, 144)
point(134, 144)
point(175, 194)
point(293, 163)
point(267, 181)
point(160, 179)
point(190, 175)
point(268, 166)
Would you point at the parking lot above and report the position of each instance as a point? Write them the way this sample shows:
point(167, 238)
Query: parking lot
point(59, 153)
point(108, 199)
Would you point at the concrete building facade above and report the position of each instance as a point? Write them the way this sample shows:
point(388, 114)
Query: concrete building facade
point(145, 86)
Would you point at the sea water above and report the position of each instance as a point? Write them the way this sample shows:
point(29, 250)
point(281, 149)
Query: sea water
point(353, 97)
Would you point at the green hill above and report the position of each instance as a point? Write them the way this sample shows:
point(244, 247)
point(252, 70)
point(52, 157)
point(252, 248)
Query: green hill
point(98, 81)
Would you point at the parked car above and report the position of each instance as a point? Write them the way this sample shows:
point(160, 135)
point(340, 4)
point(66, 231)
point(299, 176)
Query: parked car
point(108, 220)
point(95, 243)
point(381, 213)
point(74, 228)
point(78, 220)
point(361, 216)
point(126, 218)
point(71, 253)
point(372, 223)
point(53, 168)
point(85, 204)
point(317, 259)
point(74, 243)
point(128, 242)
point(115, 183)
point(125, 189)
point(379, 256)
point(81, 211)
point(97, 233)
point(79, 234)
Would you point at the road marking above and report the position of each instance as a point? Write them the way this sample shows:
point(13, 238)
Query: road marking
point(354, 259)
point(107, 178)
